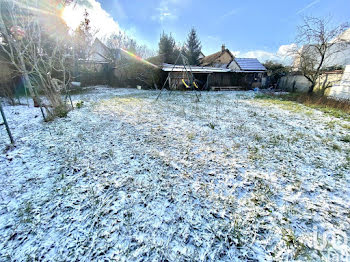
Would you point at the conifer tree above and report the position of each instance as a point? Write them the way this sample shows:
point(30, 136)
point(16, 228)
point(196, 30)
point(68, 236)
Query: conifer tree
point(168, 49)
point(193, 48)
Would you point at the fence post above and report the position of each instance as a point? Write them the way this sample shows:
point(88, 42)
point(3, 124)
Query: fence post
point(6, 124)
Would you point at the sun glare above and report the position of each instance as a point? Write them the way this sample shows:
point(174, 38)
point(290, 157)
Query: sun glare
point(70, 17)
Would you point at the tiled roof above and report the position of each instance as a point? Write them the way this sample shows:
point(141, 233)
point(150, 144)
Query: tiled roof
point(211, 59)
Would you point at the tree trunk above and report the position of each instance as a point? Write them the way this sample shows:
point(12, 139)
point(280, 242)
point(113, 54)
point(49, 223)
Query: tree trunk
point(28, 84)
point(311, 88)
point(6, 125)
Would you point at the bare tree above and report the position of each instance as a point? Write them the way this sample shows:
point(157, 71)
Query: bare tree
point(129, 59)
point(318, 41)
point(35, 42)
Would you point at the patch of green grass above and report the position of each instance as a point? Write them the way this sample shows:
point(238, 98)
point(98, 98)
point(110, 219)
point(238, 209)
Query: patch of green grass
point(211, 125)
point(336, 147)
point(346, 126)
point(332, 111)
point(298, 103)
point(346, 139)
point(347, 160)
point(254, 153)
point(276, 139)
point(285, 104)
point(258, 138)
point(190, 136)
point(80, 104)
point(26, 212)
point(331, 124)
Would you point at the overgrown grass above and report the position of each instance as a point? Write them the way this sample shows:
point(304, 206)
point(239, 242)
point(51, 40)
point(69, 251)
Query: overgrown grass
point(293, 102)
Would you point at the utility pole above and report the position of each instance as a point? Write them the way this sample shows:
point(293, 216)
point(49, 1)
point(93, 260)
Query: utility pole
point(6, 124)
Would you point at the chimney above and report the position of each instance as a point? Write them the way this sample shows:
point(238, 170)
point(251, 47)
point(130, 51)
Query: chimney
point(223, 48)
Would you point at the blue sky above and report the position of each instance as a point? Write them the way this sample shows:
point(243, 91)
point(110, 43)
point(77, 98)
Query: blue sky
point(249, 28)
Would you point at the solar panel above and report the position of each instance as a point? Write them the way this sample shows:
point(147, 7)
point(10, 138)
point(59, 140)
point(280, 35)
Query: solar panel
point(250, 64)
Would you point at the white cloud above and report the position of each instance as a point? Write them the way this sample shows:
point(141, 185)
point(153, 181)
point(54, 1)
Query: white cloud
point(168, 10)
point(164, 14)
point(282, 55)
point(260, 54)
point(101, 22)
point(285, 50)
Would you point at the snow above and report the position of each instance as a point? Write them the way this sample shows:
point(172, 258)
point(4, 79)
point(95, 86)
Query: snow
point(129, 178)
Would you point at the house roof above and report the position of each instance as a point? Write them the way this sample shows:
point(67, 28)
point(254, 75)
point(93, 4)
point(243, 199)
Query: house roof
point(210, 59)
point(194, 69)
point(345, 36)
point(249, 64)
point(244, 64)
point(99, 52)
point(98, 42)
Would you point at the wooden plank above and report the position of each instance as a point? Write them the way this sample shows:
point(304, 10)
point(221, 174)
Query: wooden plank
point(226, 88)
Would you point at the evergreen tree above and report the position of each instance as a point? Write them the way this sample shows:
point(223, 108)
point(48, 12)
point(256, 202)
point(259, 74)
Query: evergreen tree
point(193, 47)
point(168, 49)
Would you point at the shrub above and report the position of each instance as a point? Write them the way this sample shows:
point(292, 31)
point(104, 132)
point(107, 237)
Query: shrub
point(80, 104)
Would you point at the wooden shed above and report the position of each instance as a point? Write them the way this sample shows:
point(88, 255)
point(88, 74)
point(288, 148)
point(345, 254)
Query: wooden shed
point(238, 73)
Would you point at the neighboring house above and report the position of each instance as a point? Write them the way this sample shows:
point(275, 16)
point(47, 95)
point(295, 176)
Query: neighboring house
point(225, 59)
point(201, 55)
point(220, 70)
point(342, 55)
point(219, 59)
point(339, 53)
point(96, 67)
point(340, 58)
point(101, 54)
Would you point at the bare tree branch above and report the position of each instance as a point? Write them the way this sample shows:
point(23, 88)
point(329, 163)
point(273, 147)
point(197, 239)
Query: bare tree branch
point(318, 42)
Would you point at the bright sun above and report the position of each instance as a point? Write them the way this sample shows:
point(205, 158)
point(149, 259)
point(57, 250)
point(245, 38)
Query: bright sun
point(70, 17)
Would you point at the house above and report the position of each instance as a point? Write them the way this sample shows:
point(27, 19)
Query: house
point(100, 54)
point(341, 56)
point(338, 55)
point(96, 66)
point(201, 55)
point(337, 80)
point(221, 70)
point(218, 59)
point(206, 76)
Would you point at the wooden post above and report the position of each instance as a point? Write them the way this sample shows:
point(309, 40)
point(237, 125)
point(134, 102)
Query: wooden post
point(6, 124)
point(169, 80)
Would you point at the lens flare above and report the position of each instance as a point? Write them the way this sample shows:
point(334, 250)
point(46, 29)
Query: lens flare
point(138, 58)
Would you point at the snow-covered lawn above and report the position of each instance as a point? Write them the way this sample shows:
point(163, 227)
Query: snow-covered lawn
point(128, 178)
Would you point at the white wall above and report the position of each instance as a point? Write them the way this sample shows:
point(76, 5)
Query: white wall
point(339, 58)
point(301, 83)
point(342, 91)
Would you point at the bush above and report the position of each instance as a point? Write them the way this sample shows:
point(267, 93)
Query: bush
point(80, 104)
